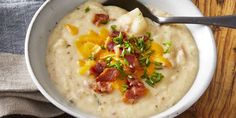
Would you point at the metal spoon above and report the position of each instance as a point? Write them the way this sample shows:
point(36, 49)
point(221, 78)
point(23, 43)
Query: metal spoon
point(224, 21)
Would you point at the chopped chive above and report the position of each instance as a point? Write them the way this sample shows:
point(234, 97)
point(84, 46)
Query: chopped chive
point(167, 45)
point(91, 57)
point(126, 62)
point(152, 79)
point(119, 66)
point(102, 47)
point(119, 39)
point(113, 27)
point(158, 65)
point(124, 88)
point(108, 60)
point(87, 9)
point(140, 44)
point(104, 21)
point(148, 34)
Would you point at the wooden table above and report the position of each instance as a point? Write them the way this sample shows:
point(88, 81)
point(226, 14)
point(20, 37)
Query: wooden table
point(220, 98)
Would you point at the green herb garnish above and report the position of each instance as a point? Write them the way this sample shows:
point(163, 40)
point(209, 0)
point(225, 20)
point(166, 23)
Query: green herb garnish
point(145, 76)
point(144, 58)
point(123, 53)
point(119, 39)
point(119, 66)
point(129, 47)
point(108, 60)
point(104, 21)
point(158, 65)
point(102, 47)
point(148, 34)
point(156, 77)
point(167, 45)
point(147, 62)
point(124, 88)
point(113, 27)
point(153, 79)
point(126, 62)
point(87, 9)
point(91, 57)
point(140, 44)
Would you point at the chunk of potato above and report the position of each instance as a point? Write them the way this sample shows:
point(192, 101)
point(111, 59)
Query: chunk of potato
point(133, 22)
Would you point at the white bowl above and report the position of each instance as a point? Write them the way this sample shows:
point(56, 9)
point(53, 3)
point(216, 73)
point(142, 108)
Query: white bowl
point(52, 11)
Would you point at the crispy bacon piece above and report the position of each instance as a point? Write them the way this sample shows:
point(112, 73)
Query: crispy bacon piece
point(145, 38)
point(110, 46)
point(133, 61)
point(103, 81)
point(100, 19)
point(102, 87)
point(136, 90)
point(98, 68)
point(116, 33)
point(108, 75)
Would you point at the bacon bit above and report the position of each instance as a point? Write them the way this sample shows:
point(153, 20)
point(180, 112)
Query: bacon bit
point(102, 87)
point(100, 19)
point(136, 90)
point(110, 46)
point(133, 61)
point(98, 68)
point(116, 33)
point(108, 75)
point(145, 38)
point(103, 81)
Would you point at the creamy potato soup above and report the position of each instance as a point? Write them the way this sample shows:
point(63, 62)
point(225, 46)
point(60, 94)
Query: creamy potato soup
point(114, 63)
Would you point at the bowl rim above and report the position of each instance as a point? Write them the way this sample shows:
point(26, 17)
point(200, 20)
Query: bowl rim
point(67, 110)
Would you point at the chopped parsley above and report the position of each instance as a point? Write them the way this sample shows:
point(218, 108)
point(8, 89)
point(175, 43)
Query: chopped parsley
point(87, 9)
